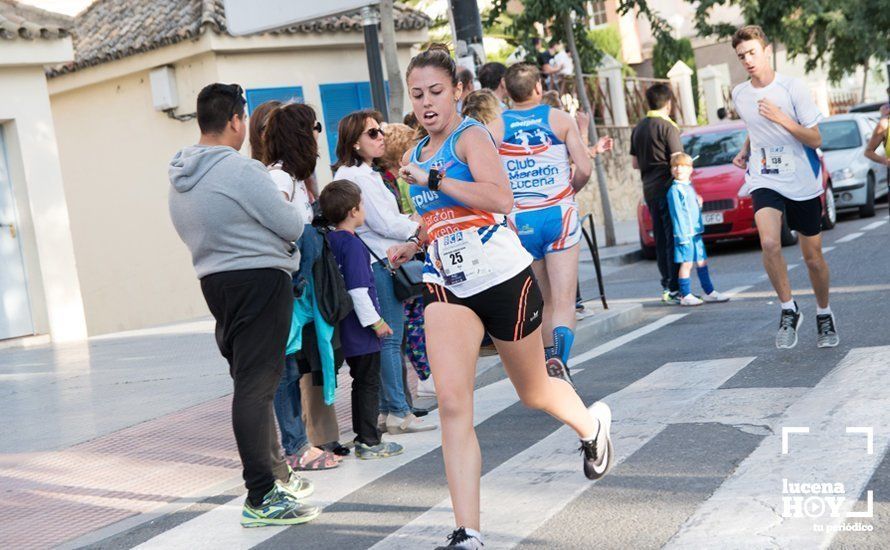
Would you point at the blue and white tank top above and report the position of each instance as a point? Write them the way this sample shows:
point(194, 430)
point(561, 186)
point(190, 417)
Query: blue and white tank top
point(536, 161)
point(470, 251)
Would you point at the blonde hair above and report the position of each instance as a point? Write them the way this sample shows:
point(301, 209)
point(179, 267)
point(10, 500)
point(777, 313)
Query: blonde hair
point(551, 97)
point(482, 105)
point(399, 138)
point(680, 159)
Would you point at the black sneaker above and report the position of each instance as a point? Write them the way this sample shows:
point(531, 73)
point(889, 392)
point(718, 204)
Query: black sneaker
point(827, 337)
point(789, 322)
point(461, 540)
point(598, 455)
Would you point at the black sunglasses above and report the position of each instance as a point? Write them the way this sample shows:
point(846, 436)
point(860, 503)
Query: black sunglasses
point(374, 132)
point(318, 127)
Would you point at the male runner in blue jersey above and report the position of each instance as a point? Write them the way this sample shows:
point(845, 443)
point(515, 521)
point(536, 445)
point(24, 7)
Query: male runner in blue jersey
point(538, 146)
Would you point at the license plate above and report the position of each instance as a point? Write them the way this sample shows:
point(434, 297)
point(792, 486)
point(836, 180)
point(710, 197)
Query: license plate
point(712, 218)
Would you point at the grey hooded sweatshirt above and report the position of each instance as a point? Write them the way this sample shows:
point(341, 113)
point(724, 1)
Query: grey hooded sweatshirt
point(230, 214)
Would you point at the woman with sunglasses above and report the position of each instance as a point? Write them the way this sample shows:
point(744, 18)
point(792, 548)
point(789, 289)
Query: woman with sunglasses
point(360, 142)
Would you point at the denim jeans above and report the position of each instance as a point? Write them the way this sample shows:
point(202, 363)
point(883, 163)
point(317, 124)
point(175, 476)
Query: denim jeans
point(392, 389)
point(289, 409)
point(310, 249)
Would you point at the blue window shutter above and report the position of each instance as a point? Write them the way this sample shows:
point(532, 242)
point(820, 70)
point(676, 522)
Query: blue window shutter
point(258, 96)
point(338, 100)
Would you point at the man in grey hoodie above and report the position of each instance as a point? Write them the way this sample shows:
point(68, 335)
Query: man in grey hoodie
point(241, 235)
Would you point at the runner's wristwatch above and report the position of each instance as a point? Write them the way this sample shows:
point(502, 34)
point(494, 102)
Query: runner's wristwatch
point(434, 179)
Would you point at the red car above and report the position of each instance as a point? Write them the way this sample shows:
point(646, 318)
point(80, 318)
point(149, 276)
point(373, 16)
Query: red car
point(717, 180)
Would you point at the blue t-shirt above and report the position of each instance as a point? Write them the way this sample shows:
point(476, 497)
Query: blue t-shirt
point(355, 264)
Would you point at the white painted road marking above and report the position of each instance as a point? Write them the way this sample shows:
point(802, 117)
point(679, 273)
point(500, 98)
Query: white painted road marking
point(748, 507)
point(543, 479)
point(850, 237)
point(873, 225)
point(333, 485)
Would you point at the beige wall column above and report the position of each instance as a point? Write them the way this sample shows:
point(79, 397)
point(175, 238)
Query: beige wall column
point(610, 69)
point(37, 180)
point(712, 86)
point(681, 76)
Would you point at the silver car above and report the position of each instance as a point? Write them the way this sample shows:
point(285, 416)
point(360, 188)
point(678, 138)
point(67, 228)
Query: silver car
point(856, 180)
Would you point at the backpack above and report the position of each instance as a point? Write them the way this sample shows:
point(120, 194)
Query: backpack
point(331, 296)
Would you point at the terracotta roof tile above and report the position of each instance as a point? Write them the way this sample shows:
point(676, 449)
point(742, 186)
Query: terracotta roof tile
point(20, 21)
point(114, 29)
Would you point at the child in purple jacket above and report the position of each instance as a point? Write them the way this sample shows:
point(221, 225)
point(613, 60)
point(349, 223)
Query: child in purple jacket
point(362, 329)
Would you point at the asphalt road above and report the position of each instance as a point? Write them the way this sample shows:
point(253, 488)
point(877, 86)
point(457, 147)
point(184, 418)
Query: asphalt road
point(702, 402)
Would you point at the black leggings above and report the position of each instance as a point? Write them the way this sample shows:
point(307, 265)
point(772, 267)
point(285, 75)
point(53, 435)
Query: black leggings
point(365, 372)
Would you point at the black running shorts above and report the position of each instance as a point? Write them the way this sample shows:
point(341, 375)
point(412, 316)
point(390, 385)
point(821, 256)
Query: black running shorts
point(805, 217)
point(509, 311)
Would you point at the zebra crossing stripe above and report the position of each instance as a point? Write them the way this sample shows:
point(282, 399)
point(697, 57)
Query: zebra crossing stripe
point(873, 225)
point(333, 485)
point(542, 480)
point(771, 501)
point(850, 237)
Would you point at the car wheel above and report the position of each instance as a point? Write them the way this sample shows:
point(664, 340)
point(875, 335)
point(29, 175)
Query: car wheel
point(867, 210)
point(789, 236)
point(829, 218)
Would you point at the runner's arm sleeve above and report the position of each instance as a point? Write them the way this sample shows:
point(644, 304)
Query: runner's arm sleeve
point(364, 307)
point(805, 109)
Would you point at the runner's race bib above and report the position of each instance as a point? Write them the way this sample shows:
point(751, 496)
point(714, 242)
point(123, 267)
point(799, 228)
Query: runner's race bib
point(776, 160)
point(462, 257)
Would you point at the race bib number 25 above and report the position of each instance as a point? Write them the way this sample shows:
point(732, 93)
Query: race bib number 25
point(462, 257)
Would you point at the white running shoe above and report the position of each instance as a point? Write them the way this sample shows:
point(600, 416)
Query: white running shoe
point(691, 300)
point(597, 453)
point(409, 423)
point(715, 297)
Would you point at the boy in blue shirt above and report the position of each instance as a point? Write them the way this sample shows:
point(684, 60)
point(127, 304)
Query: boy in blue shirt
point(362, 329)
point(689, 246)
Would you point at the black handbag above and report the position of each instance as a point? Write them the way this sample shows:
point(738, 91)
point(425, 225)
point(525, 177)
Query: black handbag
point(407, 279)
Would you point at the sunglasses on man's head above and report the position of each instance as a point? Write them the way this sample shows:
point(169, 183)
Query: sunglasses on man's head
point(373, 133)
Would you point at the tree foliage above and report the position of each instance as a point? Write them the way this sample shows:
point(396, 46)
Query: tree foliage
point(840, 36)
point(521, 26)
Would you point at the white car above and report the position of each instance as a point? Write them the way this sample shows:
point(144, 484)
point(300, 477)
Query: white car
point(857, 181)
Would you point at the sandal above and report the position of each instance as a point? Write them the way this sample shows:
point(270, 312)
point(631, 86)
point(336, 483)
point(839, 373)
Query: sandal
point(323, 461)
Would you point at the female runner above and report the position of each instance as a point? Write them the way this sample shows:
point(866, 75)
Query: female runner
point(478, 279)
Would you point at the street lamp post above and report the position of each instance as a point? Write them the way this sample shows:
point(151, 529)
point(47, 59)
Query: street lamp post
point(370, 20)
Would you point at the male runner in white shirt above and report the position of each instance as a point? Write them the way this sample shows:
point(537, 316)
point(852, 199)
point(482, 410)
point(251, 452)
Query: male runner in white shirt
point(784, 176)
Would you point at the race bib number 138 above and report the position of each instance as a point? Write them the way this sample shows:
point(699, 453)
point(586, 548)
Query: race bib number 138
point(776, 160)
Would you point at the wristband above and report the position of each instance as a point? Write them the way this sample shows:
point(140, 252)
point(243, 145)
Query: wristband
point(380, 322)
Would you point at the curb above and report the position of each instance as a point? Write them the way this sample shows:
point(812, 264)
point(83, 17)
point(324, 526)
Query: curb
point(615, 255)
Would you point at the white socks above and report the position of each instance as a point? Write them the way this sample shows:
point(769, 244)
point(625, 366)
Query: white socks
point(595, 433)
point(793, 307)
point(474, 533)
